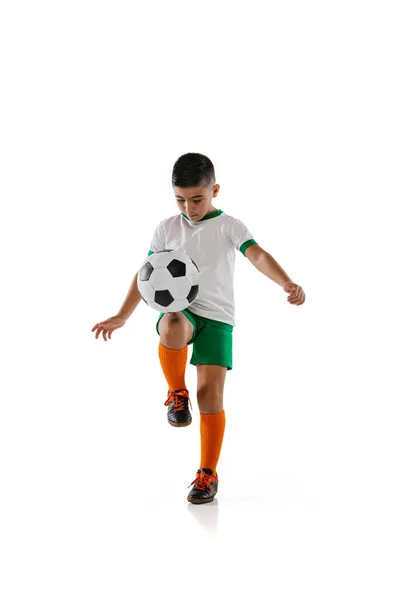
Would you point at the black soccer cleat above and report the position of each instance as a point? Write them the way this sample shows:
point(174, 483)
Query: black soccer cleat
point(178, 409)
point(205, 487)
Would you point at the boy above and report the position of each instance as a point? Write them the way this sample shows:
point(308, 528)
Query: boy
point(210, 237)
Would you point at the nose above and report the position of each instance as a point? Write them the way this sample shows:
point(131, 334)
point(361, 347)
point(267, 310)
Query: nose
point(189, 210)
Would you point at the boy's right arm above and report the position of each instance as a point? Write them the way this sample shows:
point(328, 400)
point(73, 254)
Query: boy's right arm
point(133, 297)
point(131, 301)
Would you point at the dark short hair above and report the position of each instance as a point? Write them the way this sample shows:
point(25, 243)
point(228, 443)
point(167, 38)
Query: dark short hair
point(193, 170)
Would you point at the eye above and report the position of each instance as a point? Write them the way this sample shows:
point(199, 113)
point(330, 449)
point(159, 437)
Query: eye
point(197, 201)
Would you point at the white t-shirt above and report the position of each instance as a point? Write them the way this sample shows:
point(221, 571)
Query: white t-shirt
point(211, 243)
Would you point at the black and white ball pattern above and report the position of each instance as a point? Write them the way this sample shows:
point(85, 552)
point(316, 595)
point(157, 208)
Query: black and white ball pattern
point(168, 281)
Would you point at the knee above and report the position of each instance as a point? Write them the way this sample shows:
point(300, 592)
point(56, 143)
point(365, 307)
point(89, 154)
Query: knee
point(172, 328)
point(173, 317)
point(205, 390)
point(171, 322)
point(210, 398)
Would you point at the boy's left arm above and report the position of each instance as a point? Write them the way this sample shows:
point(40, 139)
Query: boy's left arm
point(264, 262)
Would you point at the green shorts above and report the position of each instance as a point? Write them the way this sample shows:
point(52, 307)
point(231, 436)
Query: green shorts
point(212, 341)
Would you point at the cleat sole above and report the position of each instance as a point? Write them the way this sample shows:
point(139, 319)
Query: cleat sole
point(199, 501)
point(180, 424)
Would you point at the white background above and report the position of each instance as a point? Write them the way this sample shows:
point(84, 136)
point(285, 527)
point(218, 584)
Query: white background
point(297, 106)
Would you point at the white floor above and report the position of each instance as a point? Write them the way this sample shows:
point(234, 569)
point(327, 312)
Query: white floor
point(94, 487)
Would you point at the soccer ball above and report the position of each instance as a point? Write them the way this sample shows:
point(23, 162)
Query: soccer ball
point(168, 280)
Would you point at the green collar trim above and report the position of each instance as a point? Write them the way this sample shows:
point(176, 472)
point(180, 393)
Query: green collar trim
point(210, 216)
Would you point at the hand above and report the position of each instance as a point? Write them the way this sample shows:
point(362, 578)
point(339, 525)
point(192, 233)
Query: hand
point(297, 295)
point(108, 326)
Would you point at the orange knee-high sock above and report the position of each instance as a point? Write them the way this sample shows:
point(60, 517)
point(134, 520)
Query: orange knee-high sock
point(212, 427)
point(173, 363)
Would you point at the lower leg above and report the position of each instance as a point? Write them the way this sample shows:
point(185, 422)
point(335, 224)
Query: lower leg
point(173, 364)
point(212, 427)
point(173, 350)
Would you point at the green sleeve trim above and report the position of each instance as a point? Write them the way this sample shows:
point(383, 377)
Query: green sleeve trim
point(244, 246)
point(150, 252)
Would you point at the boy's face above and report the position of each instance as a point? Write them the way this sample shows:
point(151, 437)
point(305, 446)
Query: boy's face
point(196, 202)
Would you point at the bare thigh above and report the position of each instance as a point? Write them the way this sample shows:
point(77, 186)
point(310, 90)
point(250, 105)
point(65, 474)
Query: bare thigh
point(175, 330)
